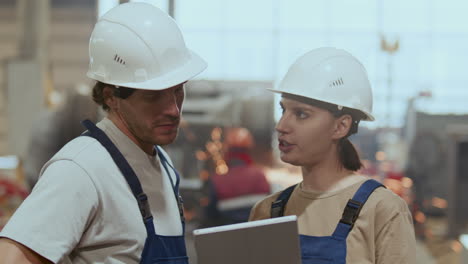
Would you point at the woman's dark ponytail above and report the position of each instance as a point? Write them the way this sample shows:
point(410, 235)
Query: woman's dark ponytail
point(348, 155)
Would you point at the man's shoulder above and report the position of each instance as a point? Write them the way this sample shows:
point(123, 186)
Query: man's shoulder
point(85, 153)
point(81, 149)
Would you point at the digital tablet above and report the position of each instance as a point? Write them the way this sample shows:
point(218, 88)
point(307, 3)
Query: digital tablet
point(270, 241)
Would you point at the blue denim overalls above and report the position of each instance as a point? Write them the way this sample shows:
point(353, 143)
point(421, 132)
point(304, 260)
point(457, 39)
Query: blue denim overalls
point(158, 249)
point(329, 249)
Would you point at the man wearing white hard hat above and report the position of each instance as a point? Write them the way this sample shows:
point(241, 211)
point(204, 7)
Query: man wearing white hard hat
point(111, 195)
point(343, 217)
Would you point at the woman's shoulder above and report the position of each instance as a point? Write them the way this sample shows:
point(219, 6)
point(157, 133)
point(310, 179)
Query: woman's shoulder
point(261, 210)
point(386, 203)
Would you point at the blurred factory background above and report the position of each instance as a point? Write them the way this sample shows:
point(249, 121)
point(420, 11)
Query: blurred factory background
point(415, 53)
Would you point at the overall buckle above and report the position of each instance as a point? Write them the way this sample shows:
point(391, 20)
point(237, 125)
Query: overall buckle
point(144, 206)
point(351, 212)
point(180, 204)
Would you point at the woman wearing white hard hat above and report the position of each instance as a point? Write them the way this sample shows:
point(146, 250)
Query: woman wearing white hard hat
point(343, 217)
point(112, 194)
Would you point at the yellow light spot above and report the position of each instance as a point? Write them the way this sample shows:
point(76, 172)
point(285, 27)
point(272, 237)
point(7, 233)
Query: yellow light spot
point(222, 169)
point(216, 133)
point(380, 156)
point(456, 246)
point(204, 175)
point(419, 217)
point(211, 147)
point(439, 202)
point(407, 182)
point(219, 145)
point(201, 155)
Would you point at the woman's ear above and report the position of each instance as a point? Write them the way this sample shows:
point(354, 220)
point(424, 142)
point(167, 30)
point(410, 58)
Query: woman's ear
point(342, 126)
point(109, 98)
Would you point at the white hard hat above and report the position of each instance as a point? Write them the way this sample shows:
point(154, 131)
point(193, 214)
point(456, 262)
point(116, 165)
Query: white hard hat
point(330, 75)
point(137, 45)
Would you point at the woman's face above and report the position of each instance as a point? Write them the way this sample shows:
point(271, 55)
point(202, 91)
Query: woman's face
point(305, 133)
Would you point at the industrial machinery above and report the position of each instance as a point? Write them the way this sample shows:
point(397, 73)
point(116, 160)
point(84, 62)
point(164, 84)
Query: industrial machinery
point(209, 108)
point(437, 164)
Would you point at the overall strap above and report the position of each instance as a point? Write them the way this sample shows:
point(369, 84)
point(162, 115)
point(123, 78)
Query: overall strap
point(124, 167)
point(354, 206)
point(277, 207)
point(175, 187)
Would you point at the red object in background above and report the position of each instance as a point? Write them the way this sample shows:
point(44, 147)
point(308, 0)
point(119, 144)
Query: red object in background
point(238, 137)
point(425, 94)
point(392, 175)
point(11, 196)
point(393, 182)
point(240, 181)
point(11, 189)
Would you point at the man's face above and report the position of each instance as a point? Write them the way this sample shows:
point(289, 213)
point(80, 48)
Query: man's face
point(153, 117)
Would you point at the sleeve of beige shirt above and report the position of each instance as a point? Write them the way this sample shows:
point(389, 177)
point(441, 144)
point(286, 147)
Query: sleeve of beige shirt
point(396, 242)
point(261, 210)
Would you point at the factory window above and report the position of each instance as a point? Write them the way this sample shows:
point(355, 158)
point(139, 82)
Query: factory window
point(258, 40)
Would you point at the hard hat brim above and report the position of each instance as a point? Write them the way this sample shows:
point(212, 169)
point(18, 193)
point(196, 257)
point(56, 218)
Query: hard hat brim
point(369, 116)
point(192, 68)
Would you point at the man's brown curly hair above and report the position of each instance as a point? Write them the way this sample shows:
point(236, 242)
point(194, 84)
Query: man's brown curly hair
point(98, 93)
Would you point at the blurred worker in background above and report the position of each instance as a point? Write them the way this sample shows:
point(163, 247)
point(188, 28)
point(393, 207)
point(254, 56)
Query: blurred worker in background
point(56, 127)
point(234, 193)
point(96, 198)
point(343, 217)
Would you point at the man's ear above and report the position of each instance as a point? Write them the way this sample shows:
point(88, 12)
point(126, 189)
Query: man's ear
point(342, 126)
point(109, 98)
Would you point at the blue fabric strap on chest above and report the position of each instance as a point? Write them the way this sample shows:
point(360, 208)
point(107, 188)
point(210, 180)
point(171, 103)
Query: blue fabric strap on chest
point(180, 202)
point(354, 206)
point(278, 206)
point(123, 165)
point(164, 162)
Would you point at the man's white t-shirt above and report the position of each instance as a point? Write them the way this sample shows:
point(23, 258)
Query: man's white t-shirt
point(82, 209)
